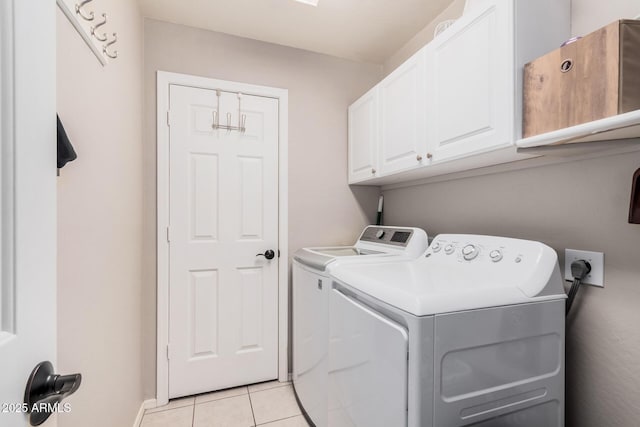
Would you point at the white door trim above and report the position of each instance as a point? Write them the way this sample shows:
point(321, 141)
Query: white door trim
point(164, 80)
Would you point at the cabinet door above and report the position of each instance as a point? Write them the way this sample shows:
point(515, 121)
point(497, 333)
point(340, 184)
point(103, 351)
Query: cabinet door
point(363, 137)
point(402, 116)
point(470, 82)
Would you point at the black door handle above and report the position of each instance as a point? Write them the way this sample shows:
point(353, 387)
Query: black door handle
point(45, 389)
point(268, 254)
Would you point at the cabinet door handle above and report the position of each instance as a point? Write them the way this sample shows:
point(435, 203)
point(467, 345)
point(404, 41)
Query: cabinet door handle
point(429, 156)
point(373, 171)
point(419, 158)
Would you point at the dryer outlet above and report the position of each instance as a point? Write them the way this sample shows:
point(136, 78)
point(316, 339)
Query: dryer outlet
point(596, 259)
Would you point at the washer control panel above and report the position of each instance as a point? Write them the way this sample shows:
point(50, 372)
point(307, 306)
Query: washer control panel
point(497, 264)
point(387, 235)
point(466, 248)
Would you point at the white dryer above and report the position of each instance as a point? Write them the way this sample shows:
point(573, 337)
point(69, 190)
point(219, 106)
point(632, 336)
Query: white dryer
point(471, 333)
point(311, 288)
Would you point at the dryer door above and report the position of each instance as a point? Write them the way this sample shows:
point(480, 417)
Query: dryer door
point(367, 366)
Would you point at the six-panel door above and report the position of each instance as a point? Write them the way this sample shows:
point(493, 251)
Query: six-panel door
point(223, 299)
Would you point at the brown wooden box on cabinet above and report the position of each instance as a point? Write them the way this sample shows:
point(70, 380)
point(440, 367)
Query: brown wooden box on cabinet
point(592, 78)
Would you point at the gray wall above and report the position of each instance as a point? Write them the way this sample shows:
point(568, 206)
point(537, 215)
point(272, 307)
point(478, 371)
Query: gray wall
point(100, 221)
point(582, 205)
point(323, 210)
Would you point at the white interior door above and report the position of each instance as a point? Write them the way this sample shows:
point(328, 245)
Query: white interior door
point(223, 190)
point(28, 199)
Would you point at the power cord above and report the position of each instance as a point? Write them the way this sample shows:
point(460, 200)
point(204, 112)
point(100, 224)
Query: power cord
point(579, 270)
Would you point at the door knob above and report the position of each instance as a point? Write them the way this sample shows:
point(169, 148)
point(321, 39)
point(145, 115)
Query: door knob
point(268, 254)
point(45, 389)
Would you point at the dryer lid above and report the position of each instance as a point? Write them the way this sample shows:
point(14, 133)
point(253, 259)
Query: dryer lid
point(461, 272)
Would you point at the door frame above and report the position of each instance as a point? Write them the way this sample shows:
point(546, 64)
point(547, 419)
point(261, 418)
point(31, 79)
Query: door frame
point(164, 80)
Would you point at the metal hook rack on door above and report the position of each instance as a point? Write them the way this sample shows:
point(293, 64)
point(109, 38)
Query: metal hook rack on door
point(242, 118)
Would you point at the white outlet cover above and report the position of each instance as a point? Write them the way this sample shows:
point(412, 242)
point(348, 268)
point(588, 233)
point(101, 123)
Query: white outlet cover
point(596, 259)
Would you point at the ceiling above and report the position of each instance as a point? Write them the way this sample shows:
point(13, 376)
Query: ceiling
point(362, 30)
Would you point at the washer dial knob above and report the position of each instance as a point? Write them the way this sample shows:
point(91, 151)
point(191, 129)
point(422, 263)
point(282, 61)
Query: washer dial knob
point(495, 255)
point(436, 246)
point(469, 252)
point(449, 249)
point(380, 234)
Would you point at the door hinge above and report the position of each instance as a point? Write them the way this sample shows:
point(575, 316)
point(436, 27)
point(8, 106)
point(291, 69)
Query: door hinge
point(278, 253)
point(168, 352)
point(169, 118)
point(168, 235)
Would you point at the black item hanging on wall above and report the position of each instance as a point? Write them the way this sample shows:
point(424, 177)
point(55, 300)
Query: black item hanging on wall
point(66, 153)
point(634, 208)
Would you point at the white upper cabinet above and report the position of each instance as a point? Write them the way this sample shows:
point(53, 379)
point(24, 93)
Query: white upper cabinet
point(363, 137)
point(471, 84)
point(457, 103)
point(403, 139)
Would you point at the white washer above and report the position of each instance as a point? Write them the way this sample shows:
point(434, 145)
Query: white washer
point(311, 287)
point(471, 333)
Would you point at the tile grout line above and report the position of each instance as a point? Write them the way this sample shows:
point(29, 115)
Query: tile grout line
point(253, 415)
point(222, 398)
point(193, 414)
point(156, 410)
point(270, 388)
point(279, 419)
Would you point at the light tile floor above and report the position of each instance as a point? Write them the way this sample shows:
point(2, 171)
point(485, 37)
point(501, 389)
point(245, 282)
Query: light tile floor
point(269, 404)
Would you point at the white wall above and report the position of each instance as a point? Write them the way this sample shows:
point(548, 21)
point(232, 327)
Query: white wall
point(453, 11)
point(100, 222)
point(589, 15)
point(323, 210)
point(581, 205)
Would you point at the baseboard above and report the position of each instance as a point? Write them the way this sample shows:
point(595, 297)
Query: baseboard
point(147, 404)
point(150, 404)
